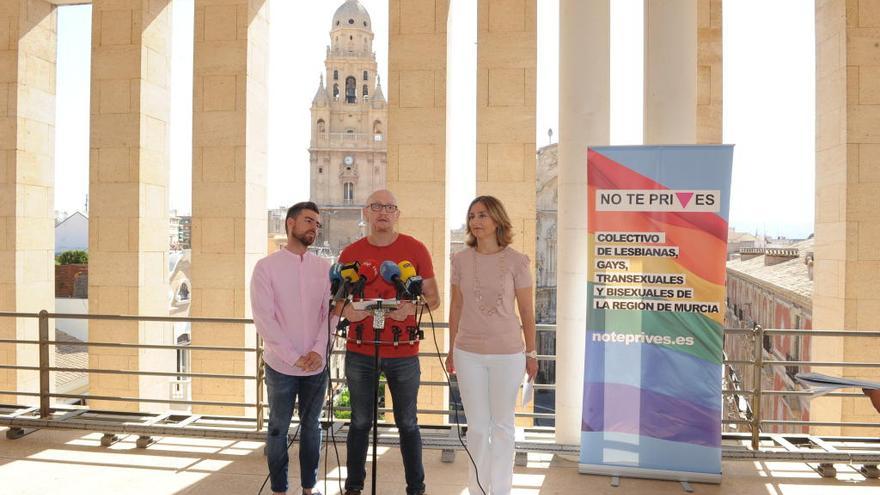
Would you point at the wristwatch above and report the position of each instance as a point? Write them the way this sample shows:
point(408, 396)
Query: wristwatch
point(532, 354)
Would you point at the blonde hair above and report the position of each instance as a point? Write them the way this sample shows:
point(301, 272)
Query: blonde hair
point(503, 229)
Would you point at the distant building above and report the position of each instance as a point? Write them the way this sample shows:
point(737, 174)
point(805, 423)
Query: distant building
point(739, 240)
point(457, 240)
point(72, 281)
point(545, 243)
point(71, 297)
point(72, 233)
point(180, 287)
point(68, 354)
point(184, 234)
point(276, 221)
point(179, 232)
point(772, 287)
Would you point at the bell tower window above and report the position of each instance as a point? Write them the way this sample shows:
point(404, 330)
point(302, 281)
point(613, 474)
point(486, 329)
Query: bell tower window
point(377, 131)
point(350, 90)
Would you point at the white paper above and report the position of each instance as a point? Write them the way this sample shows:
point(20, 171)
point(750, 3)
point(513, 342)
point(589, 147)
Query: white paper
point(819, 384)
point(528, 391)
point(370, 304)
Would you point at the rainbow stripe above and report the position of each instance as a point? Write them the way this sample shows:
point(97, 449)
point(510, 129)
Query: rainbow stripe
point(652, 379)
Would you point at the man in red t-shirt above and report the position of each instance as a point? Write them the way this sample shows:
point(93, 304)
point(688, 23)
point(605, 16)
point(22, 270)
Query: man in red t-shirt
point(400, 363)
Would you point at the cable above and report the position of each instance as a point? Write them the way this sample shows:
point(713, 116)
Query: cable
point(449, 382)
point(289, 443)
point(332, 399)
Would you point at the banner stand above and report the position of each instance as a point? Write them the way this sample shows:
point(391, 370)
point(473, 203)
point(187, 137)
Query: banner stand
point(657, 222)
point(652, 474)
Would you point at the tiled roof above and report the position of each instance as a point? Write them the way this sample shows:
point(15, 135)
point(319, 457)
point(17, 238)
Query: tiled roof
point(788, 276)
point(69, 356)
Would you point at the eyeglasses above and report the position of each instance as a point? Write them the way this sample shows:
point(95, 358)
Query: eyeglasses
point(380, 207)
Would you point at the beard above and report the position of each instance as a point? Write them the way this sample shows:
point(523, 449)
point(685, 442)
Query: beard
point(306, 238)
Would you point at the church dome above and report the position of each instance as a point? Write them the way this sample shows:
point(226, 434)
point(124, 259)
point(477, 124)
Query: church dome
point(351, 14)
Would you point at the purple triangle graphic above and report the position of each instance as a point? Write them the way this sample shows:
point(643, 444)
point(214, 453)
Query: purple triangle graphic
point(684, 198)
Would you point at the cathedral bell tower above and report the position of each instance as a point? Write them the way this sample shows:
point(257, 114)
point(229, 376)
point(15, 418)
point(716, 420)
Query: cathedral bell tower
point(349, 120)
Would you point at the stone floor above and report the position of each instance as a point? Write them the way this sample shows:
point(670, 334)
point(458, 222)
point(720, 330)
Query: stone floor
point(74, 462)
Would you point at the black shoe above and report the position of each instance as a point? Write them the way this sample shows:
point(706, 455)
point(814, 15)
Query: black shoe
point(351, 491)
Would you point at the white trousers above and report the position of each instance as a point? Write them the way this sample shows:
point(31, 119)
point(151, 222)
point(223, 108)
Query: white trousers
point(488, 384)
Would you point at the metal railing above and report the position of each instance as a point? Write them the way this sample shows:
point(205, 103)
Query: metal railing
point(752, 418)
point(759, 365)
point(44, 369)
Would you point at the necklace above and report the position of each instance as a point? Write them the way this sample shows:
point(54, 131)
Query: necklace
point(478, 287)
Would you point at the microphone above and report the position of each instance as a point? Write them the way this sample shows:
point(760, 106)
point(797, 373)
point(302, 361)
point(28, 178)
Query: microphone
point(414, 286)
point(360, 274)
point(335, 280)
point(407, 270)
point(368, 271)
point(412, 283)
point(391, 274)
point(349, 272)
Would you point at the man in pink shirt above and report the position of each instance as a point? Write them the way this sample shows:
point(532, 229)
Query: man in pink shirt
point(290, 292)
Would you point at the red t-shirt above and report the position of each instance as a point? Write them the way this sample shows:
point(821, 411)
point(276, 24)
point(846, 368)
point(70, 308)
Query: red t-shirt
point(403, 248)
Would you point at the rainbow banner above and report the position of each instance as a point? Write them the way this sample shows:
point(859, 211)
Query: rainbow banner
point(657, 223)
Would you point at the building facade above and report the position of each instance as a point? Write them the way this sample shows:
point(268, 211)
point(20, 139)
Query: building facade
point(349, 122)
point(72, 233)
point(772, 287)
point(547, 194)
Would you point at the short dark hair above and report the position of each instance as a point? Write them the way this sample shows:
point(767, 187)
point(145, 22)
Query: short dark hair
point(294, 210)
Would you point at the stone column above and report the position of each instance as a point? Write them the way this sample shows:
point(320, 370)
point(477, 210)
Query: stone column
point(506, 79)
point(670, 72)
point(847, 249)
point(230, 120)
point(506, 82)
point(27, 174)
point(709, 72)
point(128, 196)
point(416, 170)
point(584, 120)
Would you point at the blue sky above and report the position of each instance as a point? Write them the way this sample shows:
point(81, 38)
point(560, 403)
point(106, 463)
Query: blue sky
point(769, 100)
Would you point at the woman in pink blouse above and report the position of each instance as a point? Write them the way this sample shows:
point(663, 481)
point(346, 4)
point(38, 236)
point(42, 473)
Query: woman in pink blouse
point(491, 349)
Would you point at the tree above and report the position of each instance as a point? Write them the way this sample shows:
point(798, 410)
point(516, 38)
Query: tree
point(75, 257)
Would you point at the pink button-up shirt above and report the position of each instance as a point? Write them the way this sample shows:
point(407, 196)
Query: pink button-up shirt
point(289, 301)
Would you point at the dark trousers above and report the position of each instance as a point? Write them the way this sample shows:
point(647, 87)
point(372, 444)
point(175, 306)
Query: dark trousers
point(403, 375)
point(283, 390)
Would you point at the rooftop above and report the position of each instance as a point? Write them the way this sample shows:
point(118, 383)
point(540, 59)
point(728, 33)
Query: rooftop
point(69, 356)
point(790, 275)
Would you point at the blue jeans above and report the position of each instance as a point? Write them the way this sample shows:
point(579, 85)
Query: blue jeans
point(283, 390)
point(403, 375)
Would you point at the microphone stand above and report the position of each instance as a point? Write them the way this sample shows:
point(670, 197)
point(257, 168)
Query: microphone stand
point(379, 311)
